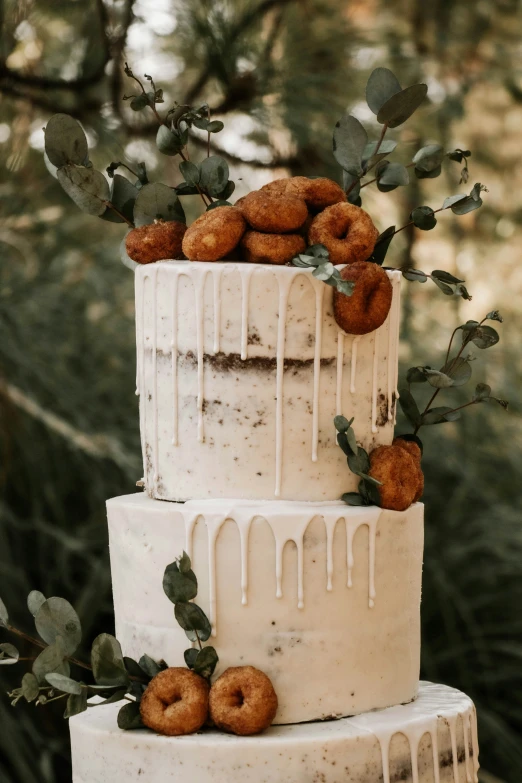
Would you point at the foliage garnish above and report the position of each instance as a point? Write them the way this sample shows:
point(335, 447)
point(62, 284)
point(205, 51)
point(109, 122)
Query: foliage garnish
point(116, 677)
point(317, 257)
point(359, 463)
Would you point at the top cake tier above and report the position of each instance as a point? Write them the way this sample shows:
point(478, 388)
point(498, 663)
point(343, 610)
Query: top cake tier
point(241, 369)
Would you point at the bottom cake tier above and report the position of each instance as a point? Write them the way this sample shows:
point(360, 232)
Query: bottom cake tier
point(431, 740)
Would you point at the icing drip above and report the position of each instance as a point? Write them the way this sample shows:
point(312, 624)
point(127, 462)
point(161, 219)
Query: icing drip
point(246, 273)
point(199, 290)
point(287, 524)
point(340, 370)
point(353, 368)
point(216, 282)
point(285, 282)
point(174, 347)
point(154, 368)
point(374, 379)
point(418, 719)
point(392, 350)
point(319, 297)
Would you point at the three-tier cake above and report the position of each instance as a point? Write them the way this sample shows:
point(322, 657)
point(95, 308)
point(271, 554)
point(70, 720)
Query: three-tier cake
point(241, 369)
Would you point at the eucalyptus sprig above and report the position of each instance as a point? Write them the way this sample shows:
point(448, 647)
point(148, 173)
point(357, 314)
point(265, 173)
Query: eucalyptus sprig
point(359, 463)
point(181, 587)
point(317, 257)
point(456, 371)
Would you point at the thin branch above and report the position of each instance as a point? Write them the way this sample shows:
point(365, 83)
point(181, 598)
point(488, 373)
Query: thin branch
point(38, 643)
point(110, 205)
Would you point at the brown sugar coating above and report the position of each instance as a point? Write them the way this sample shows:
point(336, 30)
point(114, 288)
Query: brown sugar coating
point(346, 231)
point(214, 234)
point(414, 449)
point(274, 214)
point(317, 193)
point(368, 306)
point(400, 475)
point(175, 702)
point(155, 241)
point(243, 701)
point(271, 248)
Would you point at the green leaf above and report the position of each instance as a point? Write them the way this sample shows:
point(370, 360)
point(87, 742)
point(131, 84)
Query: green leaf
point(76, 704)
point(219, 203)
point(387, 146)
point(484, 337)
point(428, 158)
point(381, 245)
point(214, 174)
point(416, 375)
point(87, 187)
point(150, 666)
point(206, 661)
point(494, 315)
point(432, 174)
point(50, 660)
point(139, 102)
point(65, 141)
point(415, 275)
point(424, 218)
point(190, 171)
point(168, 142)
point(345, 444)
point(409, 407)
point(156, 201)
point(184, 189)
point(194, 621)
point(370, 479)
point(115, 696)
point(391, 176)
point(399, 107)
point(64, 684)
point(412, 439)
point(352, 188)
point(440, 274)
point(185, 565)
point(30, 687)
point(133, 668)
point(440, 415)
point(107, 663)
point(359, 463)
point(55, 619)
point(341, 423)
point(228, 190)
point(349, 141)
point(459, 370)
point(123, 196)
point(53, 170)
point(190, 656)
point(353, 499)
point(4, 615)
point(34, 601)
point(129, 717)
point(382, 85)
point(482, 391)
point(448, 202)
point(324, 271)
point(468, 203)
point(345, 287)
point(446, 289)
point(370, 493)
point(8, 654)
point(438, 379)
point(215, 126)
point(179, 586)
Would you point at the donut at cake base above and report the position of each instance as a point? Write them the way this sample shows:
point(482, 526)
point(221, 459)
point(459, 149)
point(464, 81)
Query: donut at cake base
point(435, 734)
point(323, 598)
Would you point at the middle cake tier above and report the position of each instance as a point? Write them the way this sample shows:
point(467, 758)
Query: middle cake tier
point(323, 597)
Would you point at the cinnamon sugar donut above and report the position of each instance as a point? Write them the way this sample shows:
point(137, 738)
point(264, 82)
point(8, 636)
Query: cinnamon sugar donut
point(368, 306)
point(155, 241)
point(346, 231)
point(214, 234)
point(261, 248)
point(175, 702)
point(273, 214)
point(317, 193)
point(400, 474)
point(243, 701)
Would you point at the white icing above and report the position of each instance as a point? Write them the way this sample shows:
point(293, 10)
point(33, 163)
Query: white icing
point(193, 461)
point(273, 580)
point(354, 749)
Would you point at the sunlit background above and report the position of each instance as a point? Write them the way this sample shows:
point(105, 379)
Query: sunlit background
point(279, 73)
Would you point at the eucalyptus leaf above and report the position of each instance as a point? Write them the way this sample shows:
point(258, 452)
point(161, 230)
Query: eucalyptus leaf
point(139, 102)
point(156, 201)
point(8, 654)
point(440, 415)
point(448, 202)
point(415, 275)
point(494, 315)
point(133, 668)
point(482, 392)
point(215, 126)
point(123, 196)
point(424, 218)
point(76, 704)
point(56, 618)
point(184, 189)
point(444, 287)
point(428, 158)
point(323, 271)
point(484, 337)
point(185, 565)
point(190, 656)
point(115, 696)
point(149, 665)
point(64, 684)
point(87, 187)
point(353, 499)
point(411, 438)
point(386, 147)
point(228, 190)
point(65, 141)
point(391, 175)
point(341, 423)
point(219, 203)
point(51, 659)
point(214, 174)
point(416, 375)
point(381, 245)
point(168, 141)
point(129, 716)
point(446, 277)
point(34, 601)
point(30, 687)
point(438, 379)
point(431, 174)
point(108, 667)
point(459, 370)
point(205, 662)
point(349, 141)
point(382, 85)
point(190, 171)
point(352, 188)
point(4, 615)
point(468, 203)
point(179, 586)
point(51, 168)
point(194, 621)
point(399, 107)
point(409, 407)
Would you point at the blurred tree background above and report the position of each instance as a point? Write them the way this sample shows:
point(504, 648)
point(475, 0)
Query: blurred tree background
point(279, 73)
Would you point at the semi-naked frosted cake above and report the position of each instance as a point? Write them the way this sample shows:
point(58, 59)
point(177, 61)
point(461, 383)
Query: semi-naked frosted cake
point(241, 369)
